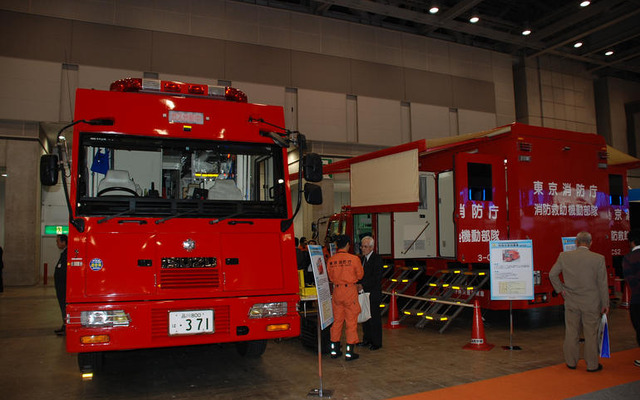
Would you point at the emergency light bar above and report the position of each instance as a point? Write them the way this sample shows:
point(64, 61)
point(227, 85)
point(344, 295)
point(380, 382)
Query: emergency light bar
point(156, 85)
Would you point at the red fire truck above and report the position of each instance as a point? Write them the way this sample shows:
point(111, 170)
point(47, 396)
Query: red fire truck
point(436, 204)
point(181, 219)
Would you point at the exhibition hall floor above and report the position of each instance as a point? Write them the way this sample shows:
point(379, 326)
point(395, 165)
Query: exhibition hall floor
point(419, 363)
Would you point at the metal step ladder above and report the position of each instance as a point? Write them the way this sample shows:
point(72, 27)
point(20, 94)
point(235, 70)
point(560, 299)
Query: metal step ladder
point(398, 279)
point(441, 298)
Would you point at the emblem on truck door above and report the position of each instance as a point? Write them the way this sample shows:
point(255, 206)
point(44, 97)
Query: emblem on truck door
point(189, 245)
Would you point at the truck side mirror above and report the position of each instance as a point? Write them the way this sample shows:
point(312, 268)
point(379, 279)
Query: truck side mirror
point(312, 194)
point(49, 169)
point(312, 167)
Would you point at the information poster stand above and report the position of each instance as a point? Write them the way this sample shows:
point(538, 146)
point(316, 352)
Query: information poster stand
point(325, 310)
point(511, 272)
point(569, 243)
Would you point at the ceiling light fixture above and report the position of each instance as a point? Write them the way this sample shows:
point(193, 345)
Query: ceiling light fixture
point(609, 53)
point(526, 32)
point(434, 10)
point(577, 45)
point(585, 3)
point(474, 19)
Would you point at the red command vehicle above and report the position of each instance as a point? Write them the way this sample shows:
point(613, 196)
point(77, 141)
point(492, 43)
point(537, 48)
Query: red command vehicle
point(438, 203)
point(181, 220)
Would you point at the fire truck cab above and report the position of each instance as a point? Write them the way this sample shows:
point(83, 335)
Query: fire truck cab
point(180, 219)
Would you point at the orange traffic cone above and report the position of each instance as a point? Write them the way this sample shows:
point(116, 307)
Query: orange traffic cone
point(478, 342)
point(626, 298)
point(393, 322)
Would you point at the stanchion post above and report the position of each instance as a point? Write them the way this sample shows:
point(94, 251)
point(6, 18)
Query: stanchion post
point(511, 346)
point(46, 274)
point(320, 392)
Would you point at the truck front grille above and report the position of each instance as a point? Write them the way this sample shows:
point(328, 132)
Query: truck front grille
point(189, 278)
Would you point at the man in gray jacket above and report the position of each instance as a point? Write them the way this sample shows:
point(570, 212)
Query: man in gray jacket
point(586, 297)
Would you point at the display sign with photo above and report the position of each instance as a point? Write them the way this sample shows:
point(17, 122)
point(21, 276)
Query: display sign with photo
point(568, 243)
point(511, 269)
point(322, 285)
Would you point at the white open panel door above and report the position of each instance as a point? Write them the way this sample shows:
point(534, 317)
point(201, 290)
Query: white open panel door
point(415, 232)
point(446, 227)
point(388, 180)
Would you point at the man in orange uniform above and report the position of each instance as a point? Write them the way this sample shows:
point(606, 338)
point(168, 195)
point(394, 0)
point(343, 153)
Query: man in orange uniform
point(345, 270)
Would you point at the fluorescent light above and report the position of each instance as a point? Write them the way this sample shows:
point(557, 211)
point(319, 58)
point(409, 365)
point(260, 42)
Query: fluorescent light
point(585, 3)
point(609, 53)
point(434, 10)
point(577, 45)
point(526, 32)
point(474, 19)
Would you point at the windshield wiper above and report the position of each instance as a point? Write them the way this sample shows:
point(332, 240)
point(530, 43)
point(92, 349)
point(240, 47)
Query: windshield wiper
point(197, 210)
point(110, 217)
point(239, 212)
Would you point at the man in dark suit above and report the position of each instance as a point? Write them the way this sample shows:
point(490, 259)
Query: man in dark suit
point(586, 297)
point(631, 268)
point(60, 280)
point(372, 283)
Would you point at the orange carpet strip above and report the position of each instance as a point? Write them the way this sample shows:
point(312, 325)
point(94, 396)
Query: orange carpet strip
point(555, 382)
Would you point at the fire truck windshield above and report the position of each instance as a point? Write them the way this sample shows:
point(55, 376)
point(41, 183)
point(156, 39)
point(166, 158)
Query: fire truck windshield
point(159, 177)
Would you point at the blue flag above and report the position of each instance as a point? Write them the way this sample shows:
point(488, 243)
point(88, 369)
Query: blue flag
point(101, 162)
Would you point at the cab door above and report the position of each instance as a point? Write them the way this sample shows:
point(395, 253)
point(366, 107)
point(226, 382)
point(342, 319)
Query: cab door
point(480, 204)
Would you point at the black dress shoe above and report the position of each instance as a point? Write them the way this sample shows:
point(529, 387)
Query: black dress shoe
point(61, 331)
point(571, 366)
point(364, 343)
point(597, 369)
point(374, 347)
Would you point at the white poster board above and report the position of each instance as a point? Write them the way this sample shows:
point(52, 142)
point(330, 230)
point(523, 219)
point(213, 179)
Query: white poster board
point(511, 269)
point(333, 249)
point(321, 277)
point(568, 243)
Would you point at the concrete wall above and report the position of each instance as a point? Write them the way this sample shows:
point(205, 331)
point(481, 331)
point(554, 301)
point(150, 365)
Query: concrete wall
point(246, 43)
point(618, 94)
point(614, 95)
point(19, 155)
point(556, 94)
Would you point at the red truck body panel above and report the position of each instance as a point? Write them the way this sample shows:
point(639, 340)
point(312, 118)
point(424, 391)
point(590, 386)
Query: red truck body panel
point(140, 263)
point(540, 184)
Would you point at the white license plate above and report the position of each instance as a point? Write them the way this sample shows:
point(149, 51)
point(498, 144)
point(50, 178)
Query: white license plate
point(190, 322)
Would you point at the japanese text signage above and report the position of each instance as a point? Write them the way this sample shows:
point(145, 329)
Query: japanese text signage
point(565, 199)
point(477, 212)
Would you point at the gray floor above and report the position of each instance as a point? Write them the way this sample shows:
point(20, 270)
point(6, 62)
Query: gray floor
point(34, 364)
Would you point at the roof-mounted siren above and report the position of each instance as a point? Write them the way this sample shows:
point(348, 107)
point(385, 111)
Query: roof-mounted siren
point(189, 89)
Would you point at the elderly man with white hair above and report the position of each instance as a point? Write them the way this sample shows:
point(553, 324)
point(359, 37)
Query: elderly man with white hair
point(372, 283)
point(586, 297)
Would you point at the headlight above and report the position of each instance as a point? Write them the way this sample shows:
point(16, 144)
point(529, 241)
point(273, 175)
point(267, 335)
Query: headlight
point(265, 310)
point(104, 318)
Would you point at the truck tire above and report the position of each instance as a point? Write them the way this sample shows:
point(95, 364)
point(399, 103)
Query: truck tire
point(90, 362)
point(252, 348)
